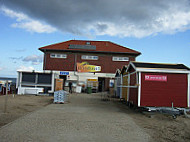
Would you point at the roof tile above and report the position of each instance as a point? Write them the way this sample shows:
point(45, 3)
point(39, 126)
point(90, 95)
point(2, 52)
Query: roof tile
point(101, 46)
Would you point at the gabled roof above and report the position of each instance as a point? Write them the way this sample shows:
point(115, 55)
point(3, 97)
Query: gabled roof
point(158, 67)
point(123, 70)
point(118, 72)
point(89, 46)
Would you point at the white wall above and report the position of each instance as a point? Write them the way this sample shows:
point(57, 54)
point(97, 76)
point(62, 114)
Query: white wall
point(188, 91)
point(29, 90)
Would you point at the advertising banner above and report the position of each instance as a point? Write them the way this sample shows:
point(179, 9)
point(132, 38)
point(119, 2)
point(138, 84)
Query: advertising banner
point(156, 77)
point(85, 67)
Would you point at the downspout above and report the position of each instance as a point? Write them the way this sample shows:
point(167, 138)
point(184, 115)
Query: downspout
point(44, 61)
point(53, 82)
point(75, 66)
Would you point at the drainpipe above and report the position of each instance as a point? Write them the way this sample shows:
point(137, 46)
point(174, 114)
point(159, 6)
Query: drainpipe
point(44, 60)
point(75, 66)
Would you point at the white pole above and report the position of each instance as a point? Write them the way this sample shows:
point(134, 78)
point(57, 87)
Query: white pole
point(121, 95)
point(139, 90)
point(6, 97)
point(188, 90)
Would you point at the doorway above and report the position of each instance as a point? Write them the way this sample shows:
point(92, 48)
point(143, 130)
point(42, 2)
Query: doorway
point(101, 84)
point(64, 77)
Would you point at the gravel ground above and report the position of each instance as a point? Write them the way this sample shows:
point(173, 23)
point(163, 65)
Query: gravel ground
point(20, 105)
point(86, 118)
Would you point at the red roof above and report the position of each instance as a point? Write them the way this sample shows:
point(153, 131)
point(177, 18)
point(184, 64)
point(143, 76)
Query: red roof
point(101, 46)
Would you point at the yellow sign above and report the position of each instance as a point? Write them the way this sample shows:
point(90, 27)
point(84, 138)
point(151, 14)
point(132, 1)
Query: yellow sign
point(85, 67)
point(92, 79)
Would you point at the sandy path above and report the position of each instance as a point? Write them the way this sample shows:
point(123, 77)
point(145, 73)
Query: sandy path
point(20, 105)
point(86, 118)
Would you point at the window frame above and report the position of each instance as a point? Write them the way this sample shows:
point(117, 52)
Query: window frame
point(89, 57)
point(57, 55)
point(120, 59)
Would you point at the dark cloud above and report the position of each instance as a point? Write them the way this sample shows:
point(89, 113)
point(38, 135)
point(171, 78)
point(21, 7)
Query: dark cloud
point(101, 27)
point(16, 59)
point(34, 59)
point(136, 18)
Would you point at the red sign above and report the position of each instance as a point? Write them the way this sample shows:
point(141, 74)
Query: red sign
point(156, 77)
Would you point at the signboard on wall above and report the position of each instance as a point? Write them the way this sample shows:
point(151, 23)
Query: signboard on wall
point(155, 77)
point(64, 73)
point(85, 67)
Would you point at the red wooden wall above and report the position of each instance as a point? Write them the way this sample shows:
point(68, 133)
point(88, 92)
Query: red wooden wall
point(105, 61)
point(133, 92)
point(163, 93)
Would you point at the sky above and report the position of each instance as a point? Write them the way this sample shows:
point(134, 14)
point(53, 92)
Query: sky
point(160, 30)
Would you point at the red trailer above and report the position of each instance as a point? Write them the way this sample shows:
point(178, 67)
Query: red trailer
point(158, 85)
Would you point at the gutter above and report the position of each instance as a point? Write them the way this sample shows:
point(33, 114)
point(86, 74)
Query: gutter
point(87, 51)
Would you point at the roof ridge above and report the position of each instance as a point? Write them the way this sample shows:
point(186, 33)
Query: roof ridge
point(90, 40)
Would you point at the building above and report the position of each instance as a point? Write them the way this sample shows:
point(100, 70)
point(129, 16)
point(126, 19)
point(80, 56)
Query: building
point(31, 82)
point(86, 62)
point(158, 85)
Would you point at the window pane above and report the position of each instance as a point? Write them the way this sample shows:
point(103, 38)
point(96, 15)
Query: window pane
point(64, 56)
point(52, 55)
point(58, 55)
point(89, 57)
point(44, 78)
point(120, 58)
point(28, 77)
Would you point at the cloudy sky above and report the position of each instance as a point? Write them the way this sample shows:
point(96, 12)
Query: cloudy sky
point(160, 30)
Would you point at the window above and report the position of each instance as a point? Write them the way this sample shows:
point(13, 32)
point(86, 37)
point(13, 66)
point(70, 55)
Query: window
point(28, 77)
point(44, 78)
point(120, 58)
point(86, 57)
point(88, 43)
point(53, 55)
point(58, 55)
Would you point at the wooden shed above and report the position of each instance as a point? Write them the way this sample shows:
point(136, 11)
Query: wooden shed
point(158, 85)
